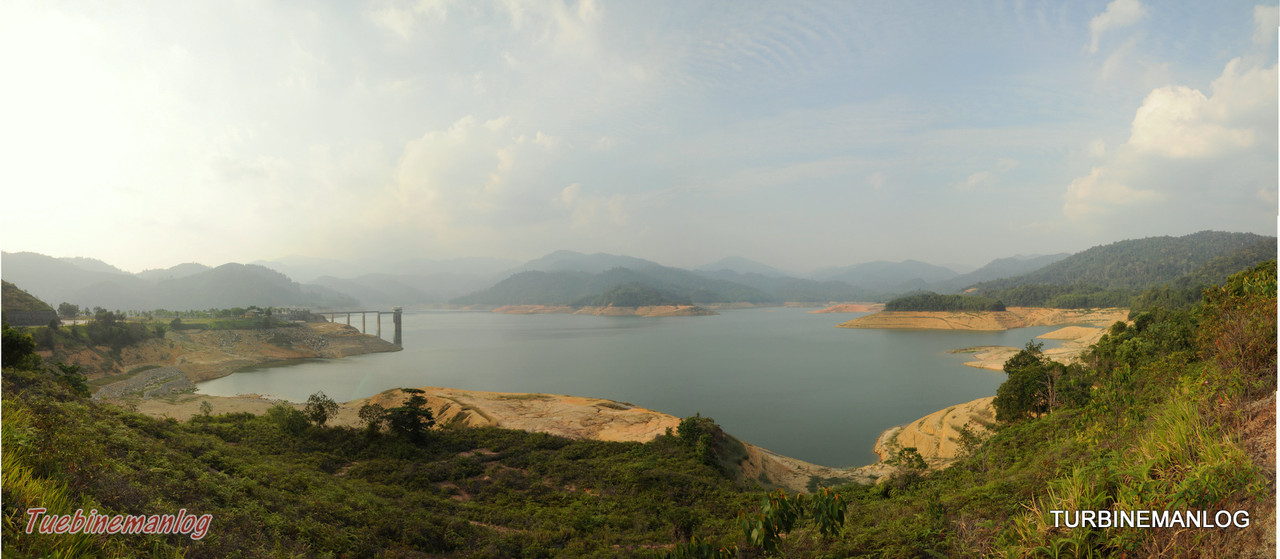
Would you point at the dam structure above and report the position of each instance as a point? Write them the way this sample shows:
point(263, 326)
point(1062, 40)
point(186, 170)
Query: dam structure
point(395, 313)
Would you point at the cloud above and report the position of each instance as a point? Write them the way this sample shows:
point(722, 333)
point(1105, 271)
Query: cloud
point(1265, 21)
point(985, 178)
point(1099, 192)
point(1119, 13)
point(1178, 121)
point(1203, 152)
point(591, 212)
point(400, 17)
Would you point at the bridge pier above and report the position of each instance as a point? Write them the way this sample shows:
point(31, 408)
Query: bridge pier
point(395, 319)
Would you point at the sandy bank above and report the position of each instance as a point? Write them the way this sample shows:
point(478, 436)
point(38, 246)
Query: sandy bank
point(1014, 317)
point(937, 436)
point(1076, 339)
point(852, 307)
point(647, 311)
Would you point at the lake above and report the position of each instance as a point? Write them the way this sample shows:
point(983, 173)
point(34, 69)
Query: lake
point(784, 379)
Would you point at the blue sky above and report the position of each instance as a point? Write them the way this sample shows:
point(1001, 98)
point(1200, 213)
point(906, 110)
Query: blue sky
point(799, 134)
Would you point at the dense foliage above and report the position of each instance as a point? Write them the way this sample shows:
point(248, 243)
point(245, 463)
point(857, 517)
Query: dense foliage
point(934, 302)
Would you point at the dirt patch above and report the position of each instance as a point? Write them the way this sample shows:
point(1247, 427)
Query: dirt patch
point(937, 436)
point(1014, 317)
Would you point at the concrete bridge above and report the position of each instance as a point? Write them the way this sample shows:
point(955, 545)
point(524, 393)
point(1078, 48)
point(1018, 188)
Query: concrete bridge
point(395, 319)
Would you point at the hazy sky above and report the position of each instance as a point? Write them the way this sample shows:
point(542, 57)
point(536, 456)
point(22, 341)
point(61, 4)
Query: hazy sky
point(799, 134)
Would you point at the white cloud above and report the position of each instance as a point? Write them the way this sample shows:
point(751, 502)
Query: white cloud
point(986, 178)
point(1098, 193)
point(1265, 21)
point(1119, 13)
point(1198, 150)
point(1178, 121)
point(592, 212)
point(400, 17)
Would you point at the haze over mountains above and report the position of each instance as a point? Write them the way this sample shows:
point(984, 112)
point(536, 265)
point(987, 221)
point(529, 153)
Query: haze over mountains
point(564, 277)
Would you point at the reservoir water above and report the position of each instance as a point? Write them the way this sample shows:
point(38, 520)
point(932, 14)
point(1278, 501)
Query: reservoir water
point(784, 379)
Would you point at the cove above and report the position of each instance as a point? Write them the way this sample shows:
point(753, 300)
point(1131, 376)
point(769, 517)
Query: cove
point(781, 378)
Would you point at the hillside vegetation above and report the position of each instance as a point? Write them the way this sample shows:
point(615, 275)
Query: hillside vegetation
point(1112, 275)
point(1174, 412)
point(936, 302)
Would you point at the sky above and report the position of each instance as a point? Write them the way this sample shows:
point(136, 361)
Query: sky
point(798, 134)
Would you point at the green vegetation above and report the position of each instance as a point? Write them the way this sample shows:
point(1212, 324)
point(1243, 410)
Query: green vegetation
point(1164, 414)
point(930, 301)
point(1124, 274)
point(15, 299)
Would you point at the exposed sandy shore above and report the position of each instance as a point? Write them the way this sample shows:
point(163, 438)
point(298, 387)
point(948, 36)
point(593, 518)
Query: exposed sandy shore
point(1076, 340)
point(573, 417)
point(647, 311)
point(1014, 317)
point(851, 307)
point(936, 436)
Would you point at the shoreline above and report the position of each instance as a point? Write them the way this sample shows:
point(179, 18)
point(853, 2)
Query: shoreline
point(575, 417)
point(1013, 317)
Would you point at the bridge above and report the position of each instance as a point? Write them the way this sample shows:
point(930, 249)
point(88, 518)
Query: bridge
point(395, 319)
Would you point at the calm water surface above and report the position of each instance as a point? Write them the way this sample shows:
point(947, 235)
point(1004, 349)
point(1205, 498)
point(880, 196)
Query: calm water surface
point(784, 379)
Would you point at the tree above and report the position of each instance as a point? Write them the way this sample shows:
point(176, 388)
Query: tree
point(412, 418)
point(68, 311)
point(1025, 393)
point(18, 350)
point(373, 416)
point(320, 408)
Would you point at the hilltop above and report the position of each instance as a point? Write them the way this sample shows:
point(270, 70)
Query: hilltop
point(23, 309)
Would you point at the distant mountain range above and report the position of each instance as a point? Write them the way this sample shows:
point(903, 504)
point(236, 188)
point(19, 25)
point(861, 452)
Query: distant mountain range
point(182, 287)
point(564, 277)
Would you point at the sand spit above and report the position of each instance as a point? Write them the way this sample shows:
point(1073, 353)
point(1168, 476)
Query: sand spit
point(1076, 340)
point(648, 311)
point(937, 436)
point(1014, 317)
point(851, 307)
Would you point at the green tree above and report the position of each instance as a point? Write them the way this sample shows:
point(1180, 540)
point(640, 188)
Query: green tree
point(320, 408)
point(1024, 393)
point(412, 418)
point(68, 311)
point(373, 416)
point(19, 350)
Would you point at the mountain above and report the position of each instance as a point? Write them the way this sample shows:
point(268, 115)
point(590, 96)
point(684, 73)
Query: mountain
point(563, 287)
point(185, 286)
point(889, 277)
point(570, 261)
point(742, 266)
point(1000, 268)
point(399, 290)
point(20, 308)
point(239, 285)
point(1142, 263)
point(796, 289)
point(92, 265)
point(57, 280)
point(174, 272)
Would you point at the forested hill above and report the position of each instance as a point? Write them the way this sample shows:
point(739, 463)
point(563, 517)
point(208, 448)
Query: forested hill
point(1142, 263)
point(566, 287)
